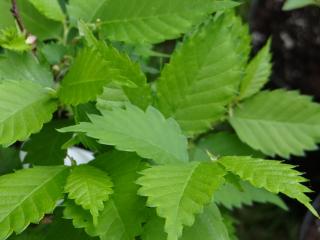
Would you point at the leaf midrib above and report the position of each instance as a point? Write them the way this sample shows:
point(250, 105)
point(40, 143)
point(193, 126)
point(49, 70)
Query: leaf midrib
point(31, 193)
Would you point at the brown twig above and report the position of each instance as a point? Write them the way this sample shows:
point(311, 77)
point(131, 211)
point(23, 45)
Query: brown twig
point(15, 12)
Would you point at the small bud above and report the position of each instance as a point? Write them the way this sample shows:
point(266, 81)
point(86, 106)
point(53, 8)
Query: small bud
point(56, 68)
point(31, 40)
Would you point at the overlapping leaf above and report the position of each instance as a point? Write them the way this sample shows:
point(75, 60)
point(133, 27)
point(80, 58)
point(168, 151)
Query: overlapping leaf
point(272, 175)
point(85, 79)
point(126, 77)
point(257, 73)
point(278, 122)
point(27, 195)
point(14, 66)
point(9, 160)
point(45, 147)
point(24, 107)
point(221, 144)
point(36, 23)
point(122, 214)
point(180, 191)
point(50, 8)
point(90, 188)
point(208, 225)
point(143, 20)
point(201, 78)
point(131, 129)
point(231, 196)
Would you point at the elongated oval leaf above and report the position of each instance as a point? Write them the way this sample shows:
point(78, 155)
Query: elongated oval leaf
point(257, 72)
point(274, 176)
point(131, 129)
point(201, 78)
point(15, 66)
point(90, 188)
point(208, 225)
point(278, 123)
point(24, 107)
point(50, 8)
point(27, 195)
point(144, 20)
point(180, 191)
point(122, 215)
point(85, 79)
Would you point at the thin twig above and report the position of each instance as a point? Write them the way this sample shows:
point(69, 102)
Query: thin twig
point(16, 15)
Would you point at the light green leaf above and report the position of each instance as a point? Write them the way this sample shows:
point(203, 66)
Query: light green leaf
point(44, 148)
point(278, 122)
point(85, 79)
point(274, 176)
point(143, 20)
point(231, 196)
point(221, 144)
point(89, 187)
point(27, 195)
point(293, 4)
point(208, 225)
point(257, 72)
point(11, 39)
point(24, 107)
point(201, 79)
point(9, 160)
point(49, 8)
point(126, 76)
point(122, 215)
point(36, 23)
point(6, 19)
point(133, 130)
point(180, 191)
point(15, 66)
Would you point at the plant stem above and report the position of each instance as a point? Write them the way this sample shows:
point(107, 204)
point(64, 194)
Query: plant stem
point(16, 15)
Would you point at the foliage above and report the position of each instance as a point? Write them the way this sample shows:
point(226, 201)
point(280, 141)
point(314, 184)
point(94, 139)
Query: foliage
point(293, 4)
point(176, 142)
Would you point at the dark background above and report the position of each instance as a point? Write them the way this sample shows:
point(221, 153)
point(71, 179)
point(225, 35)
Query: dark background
point(296, 65)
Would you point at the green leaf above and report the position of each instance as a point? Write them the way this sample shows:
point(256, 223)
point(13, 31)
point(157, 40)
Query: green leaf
point(278, 122)
point(53, 52)
point(44, 148)
point(131, 129)
point(201, 79)
point(208, 225)
point(122, 215)
point(81, 113)
point(6, 19)
point(293, 4)
point(24, 107)
point(9, 160)
point(126, 76)
point(142, 20)
point(89, 187)
point(36, 23)
point(257, 72)
point(49, 8)
point(85, 79)
point(11, 39)
point(180, 191)
point(221, 144)
point(274, 176)
point(15, 66)
point(231, 196)
point(27, 195)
